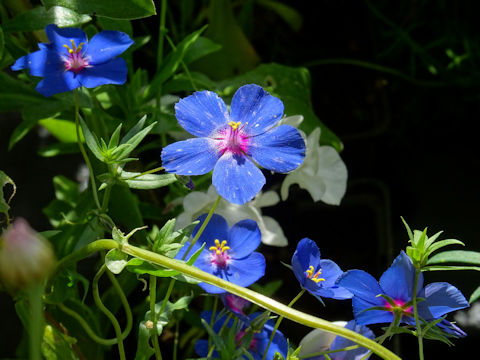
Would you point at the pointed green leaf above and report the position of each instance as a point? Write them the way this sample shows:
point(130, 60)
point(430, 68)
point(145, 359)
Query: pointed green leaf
point(449, 268)
point(440, 244)
point(134, 130)
point(459, 256)
point(429, 241)
point(115, 137)
point(91, 141)
point(409, 231)
point(133, 142)
point(475, 296)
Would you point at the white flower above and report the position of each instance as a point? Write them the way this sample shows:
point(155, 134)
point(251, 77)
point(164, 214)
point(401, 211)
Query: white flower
point(323, 173)
point(318, 340)
point(470, 318)
point(197, 203)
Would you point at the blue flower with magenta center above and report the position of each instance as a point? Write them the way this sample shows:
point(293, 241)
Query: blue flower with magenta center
point(258, 344)
point(397, 283)
point(228, 253)
point(70, 60)
point(316, 275)
point(231, 144)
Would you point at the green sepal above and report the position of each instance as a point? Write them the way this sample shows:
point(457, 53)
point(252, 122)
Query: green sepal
point(116, 260)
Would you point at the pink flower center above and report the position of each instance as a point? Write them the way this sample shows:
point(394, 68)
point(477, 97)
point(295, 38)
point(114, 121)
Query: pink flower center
point(236, 303)
point(233, 139)
point(74, 59)
point(400, 305)
point(219, 256)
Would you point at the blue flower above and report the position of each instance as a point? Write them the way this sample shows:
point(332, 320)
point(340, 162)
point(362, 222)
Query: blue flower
point(397, 283)
point(228, 253)
point(232, 144)
point(235, 304)
point(319, 341)
point(259, 341)
point(70, 60)
point(316, 275)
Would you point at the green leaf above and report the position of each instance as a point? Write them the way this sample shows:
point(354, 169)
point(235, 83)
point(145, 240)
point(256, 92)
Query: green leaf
point(459, 256)
point(147, 181)
point(438, 245)
point(409, 231)
point(115, 137)
point(475, 295)
point(117, 9)
point(116, 260)
point(449, 268)
point(171, 63)
point(4, 180)
point(132, 141)
point(66, 190)
point(291, 16)
point(91, 141)
point(63, 130)
point(140, 266)
point(37, 18)
point(169, 308)
point(291, 85)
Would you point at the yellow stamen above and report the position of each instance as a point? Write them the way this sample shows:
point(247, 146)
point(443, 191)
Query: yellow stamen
point(219, 247)
point(234, 124)
point(74, 48)
point(313, 277)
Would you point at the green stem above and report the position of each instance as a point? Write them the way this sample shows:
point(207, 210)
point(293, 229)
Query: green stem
point(111, 317)
point(279, 320)
point(84, 153)
point(153, 317)
point(212, 321)
point(35, 293)
point(175, 340)
point(318, 354)
point(250, 295)
point(415, 314)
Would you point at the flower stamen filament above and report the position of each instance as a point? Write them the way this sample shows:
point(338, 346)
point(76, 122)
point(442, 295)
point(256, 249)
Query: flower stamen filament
point(314, 277)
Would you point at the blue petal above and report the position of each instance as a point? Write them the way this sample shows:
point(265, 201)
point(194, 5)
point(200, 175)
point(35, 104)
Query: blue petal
point(57, 82)
point(364, 317)
point(218, 320)
point(112, 72)
point(237, 179)
point(281, 149)
point(362, 285)
point(253, 106)
point(40, 62)
point(328, 288)
point(107, 44)
point(307, 254)
point(243, 238)
point(243, 272)
point(201, 347)
point(450, 328)
point(217, 228)
point(201, 113)
point(397, 281)
point(195, 156)
point(340, 343)
point(59, 37)
point(441, 298)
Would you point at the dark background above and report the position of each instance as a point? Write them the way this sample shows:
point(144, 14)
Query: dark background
point(410, 144)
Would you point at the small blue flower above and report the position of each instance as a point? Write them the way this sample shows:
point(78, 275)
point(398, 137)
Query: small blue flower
point(228, 253)
point(231, 144)
point(319, 341)
point(259, 341)
point(316, 275)
point(397, 283)
point(70, 60)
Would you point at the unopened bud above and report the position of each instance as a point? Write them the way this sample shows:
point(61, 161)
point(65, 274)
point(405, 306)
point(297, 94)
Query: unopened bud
point(26, 258)
point(149, 324)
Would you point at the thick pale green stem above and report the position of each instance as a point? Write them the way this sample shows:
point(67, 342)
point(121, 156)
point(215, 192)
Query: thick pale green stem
point(254, 297)
point(153, 317)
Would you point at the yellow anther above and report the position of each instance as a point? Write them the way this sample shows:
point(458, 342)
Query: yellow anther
point(219, 247)
point(74, 48)
point(234, 125)
point(313, 277)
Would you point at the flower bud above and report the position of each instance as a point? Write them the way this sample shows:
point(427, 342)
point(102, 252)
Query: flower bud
point(26, 257)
